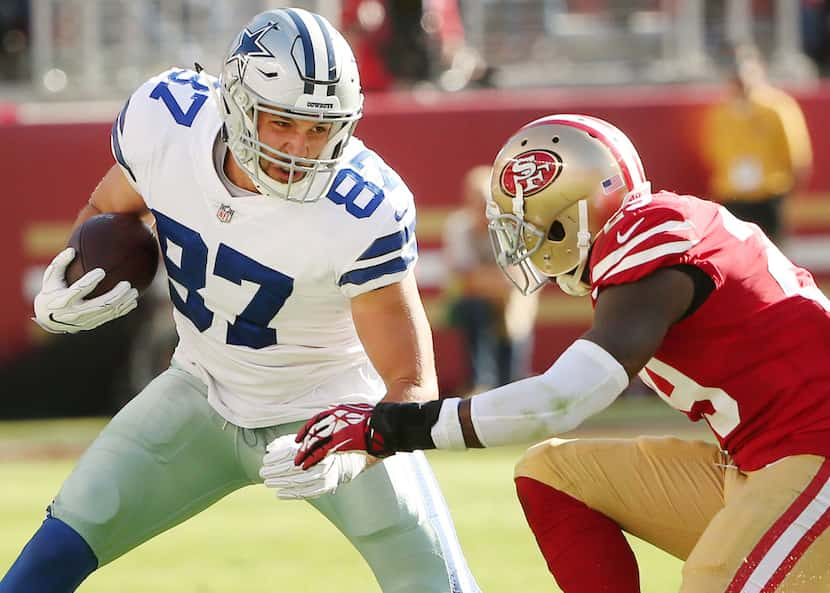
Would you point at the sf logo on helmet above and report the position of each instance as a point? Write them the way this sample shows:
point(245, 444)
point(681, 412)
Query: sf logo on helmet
point(534, 170)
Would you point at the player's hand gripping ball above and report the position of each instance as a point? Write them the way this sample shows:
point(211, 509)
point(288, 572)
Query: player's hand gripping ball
point(110, 258)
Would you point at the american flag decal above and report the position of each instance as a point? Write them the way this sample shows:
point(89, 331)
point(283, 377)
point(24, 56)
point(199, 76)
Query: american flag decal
point(611, 184)
point(225, 213)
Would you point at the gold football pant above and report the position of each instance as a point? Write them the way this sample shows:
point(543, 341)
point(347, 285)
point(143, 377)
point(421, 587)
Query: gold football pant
point(738, 532)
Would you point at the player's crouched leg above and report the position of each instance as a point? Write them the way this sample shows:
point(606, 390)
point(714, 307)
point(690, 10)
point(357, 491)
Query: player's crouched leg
point(56, 560)
point(396, 517)
point(584, 549)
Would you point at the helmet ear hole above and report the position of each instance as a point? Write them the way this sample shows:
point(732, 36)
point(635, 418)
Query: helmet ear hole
point(556, 232)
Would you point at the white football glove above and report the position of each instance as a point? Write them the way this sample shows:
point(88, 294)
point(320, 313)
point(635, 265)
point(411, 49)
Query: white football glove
point(292, 482)
point(62, 309)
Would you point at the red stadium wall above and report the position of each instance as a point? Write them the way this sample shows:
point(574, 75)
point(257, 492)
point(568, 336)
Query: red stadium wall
point(49, 169)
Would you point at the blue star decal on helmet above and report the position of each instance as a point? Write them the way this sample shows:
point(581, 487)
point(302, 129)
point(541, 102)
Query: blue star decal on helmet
point(250, 46)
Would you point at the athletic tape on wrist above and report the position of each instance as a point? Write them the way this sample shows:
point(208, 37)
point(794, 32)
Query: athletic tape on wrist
point(406, 426)
point(446, 432)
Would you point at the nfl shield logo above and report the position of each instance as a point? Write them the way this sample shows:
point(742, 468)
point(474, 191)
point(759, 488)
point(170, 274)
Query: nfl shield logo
point(225, 213)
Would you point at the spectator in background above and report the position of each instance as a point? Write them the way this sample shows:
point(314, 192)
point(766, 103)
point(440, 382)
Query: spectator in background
point(14, 40)
point(404, 43)
point(407, 52)
point(495, 319)
point(756, 144)
point(815, 31)
point(442, 22)
point(459, 65)
point(391, 43)
point(365, 25)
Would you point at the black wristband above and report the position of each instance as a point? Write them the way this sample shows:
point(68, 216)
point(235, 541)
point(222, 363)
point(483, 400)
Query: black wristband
point(406, 427)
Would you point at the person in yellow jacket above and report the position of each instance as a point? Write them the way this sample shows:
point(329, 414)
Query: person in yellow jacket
point(756, 145)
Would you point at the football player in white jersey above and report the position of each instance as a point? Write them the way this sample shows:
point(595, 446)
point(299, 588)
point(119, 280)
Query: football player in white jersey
point(709, 313)
point(289, 248)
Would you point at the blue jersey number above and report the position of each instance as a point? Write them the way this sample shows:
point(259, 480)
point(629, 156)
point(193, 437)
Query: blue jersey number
point(250, 328)
point(391, 180)
point(361, 197)
point(190, 271)
point(162, 92)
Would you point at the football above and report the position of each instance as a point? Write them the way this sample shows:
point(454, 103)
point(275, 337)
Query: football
point(121, 244)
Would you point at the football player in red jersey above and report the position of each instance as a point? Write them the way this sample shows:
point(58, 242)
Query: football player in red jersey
point(709, 313)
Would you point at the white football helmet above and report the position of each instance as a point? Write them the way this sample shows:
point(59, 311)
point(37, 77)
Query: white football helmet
point(554, 184)
point(293, 63)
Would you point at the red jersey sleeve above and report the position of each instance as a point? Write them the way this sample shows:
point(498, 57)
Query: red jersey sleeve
point(653, 233)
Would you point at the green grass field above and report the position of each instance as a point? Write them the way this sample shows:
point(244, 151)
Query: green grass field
point(251, 542)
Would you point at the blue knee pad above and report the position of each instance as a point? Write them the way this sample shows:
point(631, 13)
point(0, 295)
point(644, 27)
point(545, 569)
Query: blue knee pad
point(56, 560)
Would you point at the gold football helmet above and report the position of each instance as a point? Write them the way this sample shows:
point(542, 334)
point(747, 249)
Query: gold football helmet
point(554, 184)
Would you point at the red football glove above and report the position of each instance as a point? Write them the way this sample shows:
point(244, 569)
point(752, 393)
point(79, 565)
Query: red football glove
point(346, 427)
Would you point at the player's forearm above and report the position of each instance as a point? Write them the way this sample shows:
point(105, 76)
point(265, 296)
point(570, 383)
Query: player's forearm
point(452, 423)
point(411, 390)
point(583, 381)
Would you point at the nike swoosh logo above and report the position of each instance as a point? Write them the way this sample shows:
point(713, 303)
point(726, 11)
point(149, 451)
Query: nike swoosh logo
point(52, 319)
point(399, 214)
point(623, 237)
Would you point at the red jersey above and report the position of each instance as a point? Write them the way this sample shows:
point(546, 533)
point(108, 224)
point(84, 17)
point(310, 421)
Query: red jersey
point(754, 359)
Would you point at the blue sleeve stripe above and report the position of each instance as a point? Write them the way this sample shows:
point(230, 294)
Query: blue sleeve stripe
point(364, 275)
point(116, 150)
point(389, 243)
point(123, 116)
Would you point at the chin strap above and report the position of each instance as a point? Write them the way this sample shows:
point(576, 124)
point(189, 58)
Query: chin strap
point(571, 282)
point(571, 286)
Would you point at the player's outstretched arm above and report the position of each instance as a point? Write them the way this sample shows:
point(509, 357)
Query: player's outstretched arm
point(629, 325)
point(395, 333)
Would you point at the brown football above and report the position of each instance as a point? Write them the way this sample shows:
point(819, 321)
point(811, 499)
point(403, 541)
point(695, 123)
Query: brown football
point(121, 244)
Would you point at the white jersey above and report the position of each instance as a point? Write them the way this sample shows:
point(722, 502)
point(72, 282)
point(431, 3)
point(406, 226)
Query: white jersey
point(261, 286)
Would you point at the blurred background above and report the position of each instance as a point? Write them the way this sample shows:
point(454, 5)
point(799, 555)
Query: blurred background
point(446, 82)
